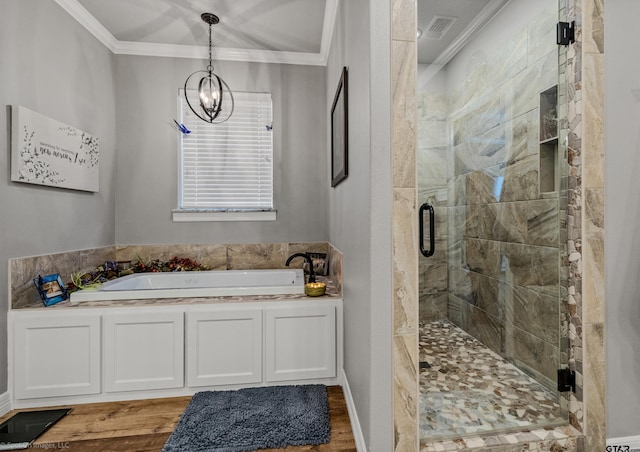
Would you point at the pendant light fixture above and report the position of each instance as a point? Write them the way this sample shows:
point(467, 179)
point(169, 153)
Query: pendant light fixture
point(211, 100)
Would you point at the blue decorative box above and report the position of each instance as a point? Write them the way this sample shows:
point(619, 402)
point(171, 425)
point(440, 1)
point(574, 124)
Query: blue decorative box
point(51, 288)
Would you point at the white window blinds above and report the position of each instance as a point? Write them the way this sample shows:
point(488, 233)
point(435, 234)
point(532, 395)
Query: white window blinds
point(228, 166)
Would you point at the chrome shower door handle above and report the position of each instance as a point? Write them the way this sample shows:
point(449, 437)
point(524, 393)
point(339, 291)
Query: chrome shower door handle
point(432, 236)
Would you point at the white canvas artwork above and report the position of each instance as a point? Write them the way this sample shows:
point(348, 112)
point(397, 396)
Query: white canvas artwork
point(48, 152)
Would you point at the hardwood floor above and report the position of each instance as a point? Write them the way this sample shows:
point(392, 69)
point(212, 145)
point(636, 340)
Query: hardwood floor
point(145, 425)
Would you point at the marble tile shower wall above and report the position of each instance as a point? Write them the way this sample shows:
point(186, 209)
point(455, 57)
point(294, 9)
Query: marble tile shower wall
point(585, 92)
point(501, 283)
point(433, 150)
point(216, 256)
point(581, 67)
point(404, 227)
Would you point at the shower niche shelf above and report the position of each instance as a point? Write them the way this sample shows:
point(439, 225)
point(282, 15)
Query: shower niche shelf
point(548, 155)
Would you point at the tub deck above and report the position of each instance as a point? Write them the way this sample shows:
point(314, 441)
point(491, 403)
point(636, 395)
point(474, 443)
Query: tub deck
point(331, 293)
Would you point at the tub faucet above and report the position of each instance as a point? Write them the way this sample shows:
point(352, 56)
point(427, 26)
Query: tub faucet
point(312, 275)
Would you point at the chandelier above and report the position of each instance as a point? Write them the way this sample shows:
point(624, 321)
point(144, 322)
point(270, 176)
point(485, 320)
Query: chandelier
point(211, 100)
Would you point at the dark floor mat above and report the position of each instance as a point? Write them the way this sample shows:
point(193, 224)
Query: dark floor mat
point(21, 429)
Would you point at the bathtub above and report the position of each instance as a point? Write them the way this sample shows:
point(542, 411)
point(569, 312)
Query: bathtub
point(141, 286)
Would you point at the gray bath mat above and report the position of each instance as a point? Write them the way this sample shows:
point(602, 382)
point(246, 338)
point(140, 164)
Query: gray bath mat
point(253, 418)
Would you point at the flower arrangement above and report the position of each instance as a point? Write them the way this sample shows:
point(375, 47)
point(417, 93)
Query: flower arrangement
point(115, 269)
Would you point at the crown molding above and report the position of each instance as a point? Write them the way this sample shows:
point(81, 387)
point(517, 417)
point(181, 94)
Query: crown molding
point(79, 13)
point(219, 53)
point(330, 14)
point(93, 26)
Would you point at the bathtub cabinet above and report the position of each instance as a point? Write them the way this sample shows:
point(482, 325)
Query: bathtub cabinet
point(300, 342)
point(59, 355)
point(143, 351)
point(224, 347)
point(99, 354)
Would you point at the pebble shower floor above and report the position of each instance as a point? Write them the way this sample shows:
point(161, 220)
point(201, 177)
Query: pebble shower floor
point(470, 390)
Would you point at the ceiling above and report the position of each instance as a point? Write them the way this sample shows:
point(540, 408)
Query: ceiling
point(462, 11)
point(273, 31)
point(469, 18)
point(282, 31)
point(282, 25)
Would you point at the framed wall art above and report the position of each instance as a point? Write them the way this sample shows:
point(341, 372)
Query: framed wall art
point(340, 131)
point(47, 152)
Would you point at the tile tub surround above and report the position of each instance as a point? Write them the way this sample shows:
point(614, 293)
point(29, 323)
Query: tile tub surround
point(217, 256)
point(23, 270)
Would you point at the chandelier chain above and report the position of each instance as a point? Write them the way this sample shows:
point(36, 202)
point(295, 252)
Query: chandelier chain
point(210, 67)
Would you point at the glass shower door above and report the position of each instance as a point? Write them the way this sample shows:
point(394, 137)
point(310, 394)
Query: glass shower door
point(491, 165)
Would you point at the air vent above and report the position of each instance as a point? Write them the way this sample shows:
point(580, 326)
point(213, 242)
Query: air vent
point(438, 26)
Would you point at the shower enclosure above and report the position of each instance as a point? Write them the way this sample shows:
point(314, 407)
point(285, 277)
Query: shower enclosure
point(492, 172)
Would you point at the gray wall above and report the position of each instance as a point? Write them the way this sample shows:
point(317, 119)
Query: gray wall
point(622, 217)
point(146, 192)
point(358, 226)
point(52, 65)
point(38, 39)
point(380, 410)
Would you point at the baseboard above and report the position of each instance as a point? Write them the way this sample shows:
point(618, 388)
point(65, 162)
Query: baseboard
point(632, 441)
point(353, 415)
point(5, 403)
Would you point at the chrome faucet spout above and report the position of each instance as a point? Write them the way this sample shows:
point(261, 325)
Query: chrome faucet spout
point(312, 275)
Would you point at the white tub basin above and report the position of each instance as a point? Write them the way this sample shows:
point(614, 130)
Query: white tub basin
point(196, 284)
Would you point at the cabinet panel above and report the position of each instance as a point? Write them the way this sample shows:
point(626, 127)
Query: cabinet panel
point(143, 351)
point(224, 347)
point(94, 354)
point(56, 356)
point(300, 343)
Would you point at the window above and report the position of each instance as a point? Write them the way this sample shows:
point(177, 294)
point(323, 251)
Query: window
point(226, 170)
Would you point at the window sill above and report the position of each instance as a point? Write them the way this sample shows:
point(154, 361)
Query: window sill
point(217, 215)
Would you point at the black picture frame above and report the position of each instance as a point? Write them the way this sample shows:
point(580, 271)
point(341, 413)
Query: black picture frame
point(340, 131)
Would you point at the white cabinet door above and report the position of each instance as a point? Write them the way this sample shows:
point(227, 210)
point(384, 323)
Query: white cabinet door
point(300, 342)
point(56, 355)
point(143, 351)
point(224, 347)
